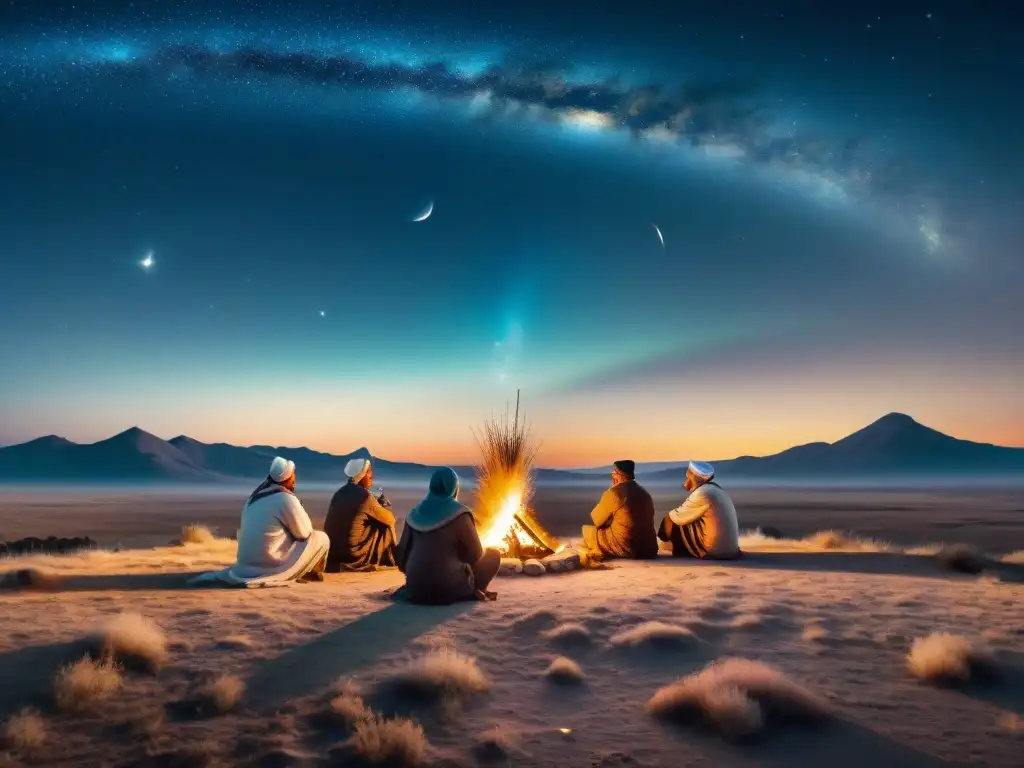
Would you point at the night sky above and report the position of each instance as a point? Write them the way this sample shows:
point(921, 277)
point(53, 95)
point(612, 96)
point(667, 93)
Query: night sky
point(839, 192)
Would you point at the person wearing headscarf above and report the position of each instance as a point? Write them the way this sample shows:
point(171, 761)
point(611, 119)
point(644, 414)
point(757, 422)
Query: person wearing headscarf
point(705, 525)
point(276, 540)
point(360, 526)
point(623, 518)
point(440, 551)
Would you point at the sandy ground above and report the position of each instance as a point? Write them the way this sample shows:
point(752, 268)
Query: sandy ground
point(992, 520)
point(839, 622)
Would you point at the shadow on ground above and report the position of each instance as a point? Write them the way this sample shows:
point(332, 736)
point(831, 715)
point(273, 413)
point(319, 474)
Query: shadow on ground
point(304, 669)
point(27, 674)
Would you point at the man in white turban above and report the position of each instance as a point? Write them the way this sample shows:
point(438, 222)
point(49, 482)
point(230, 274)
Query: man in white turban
point(361, 527)
point(276, 541)
point(705, 525)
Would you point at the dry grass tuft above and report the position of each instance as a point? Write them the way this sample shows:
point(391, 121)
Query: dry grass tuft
point(737, 697)
point(747, 622)
point(223, 694)
point(654, 634)
point(814, 633)
point(25, 731)
point(81, 685)
point(563, 670)
point(348, 710)
point(441, 674)
point(924, 550)
point(133, 640)
point(1014, 558)
point(831, 540)
point(235, 643)
point(570, 633)
point(398, 743)
point(534, 620)
point(194, 533)
point(946, 658)
point(962, 558)
point(494, 744)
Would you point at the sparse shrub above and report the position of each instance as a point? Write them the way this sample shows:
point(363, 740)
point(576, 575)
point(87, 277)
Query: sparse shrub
point(222, 694)
point(194, 533)
point(828, 539)
point(1014, 558)
point(963, 558)
point(831, 539)
point(653, 634)
point(79, 686)
point(747, 622)
point(346, 710)
point(563, 670)
point(375, 740)
point(441, 673)
point(493, 744)
point(235, 643)
point(25, 731)
point(947, 658)
point(570, 633)
point(814, 633)
point(131, 639)
point(737, 697)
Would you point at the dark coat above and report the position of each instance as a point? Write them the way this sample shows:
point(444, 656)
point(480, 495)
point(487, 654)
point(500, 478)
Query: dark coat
point(437, 563)
point(362, 532)
point(624, 518)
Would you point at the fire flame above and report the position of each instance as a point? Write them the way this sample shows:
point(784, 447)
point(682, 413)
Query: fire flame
point(504, 522)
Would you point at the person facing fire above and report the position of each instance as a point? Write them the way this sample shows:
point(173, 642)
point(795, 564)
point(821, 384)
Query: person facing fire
point(705, 525)
point(361, 527)
point(440, 551)
point(623, 518)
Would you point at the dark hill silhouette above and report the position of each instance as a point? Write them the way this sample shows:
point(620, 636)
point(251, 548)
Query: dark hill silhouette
point(130, 455)
point(894, 445)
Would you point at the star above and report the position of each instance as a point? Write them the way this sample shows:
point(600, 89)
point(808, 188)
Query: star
point(322, 313)
point(147, 262)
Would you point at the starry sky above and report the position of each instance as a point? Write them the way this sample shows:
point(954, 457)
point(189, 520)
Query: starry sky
point(837, 189)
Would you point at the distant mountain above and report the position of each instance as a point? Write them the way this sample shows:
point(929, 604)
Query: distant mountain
point(138, 456)
point(893, 446)
point(133, 454)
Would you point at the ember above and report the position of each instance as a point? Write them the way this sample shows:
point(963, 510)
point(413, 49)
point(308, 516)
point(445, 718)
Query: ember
point(505, 476)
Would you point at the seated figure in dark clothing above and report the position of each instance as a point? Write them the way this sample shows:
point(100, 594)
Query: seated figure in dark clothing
point(623, 518)
point(440, 551)
point(360, 526)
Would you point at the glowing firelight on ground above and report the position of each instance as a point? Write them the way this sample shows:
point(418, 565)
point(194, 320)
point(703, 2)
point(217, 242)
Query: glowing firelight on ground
point(504, 522)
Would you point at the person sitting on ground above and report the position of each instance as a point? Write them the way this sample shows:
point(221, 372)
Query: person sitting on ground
point(705, 525)
point(361, 528)
point(276, 540)
point(440, 551)
point(623, 518)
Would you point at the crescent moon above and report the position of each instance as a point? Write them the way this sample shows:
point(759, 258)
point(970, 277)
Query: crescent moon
point(662, 239)
point(426, 214)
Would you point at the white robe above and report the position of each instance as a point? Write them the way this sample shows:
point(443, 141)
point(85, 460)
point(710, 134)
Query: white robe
point(721, 527)
point(276, 544)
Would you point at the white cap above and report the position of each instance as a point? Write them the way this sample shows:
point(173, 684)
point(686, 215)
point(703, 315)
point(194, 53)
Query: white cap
point(281, 469)
point(357, 468)
point(702, 469)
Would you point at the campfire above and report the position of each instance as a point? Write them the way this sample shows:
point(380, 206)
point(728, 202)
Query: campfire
point(505, 478)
